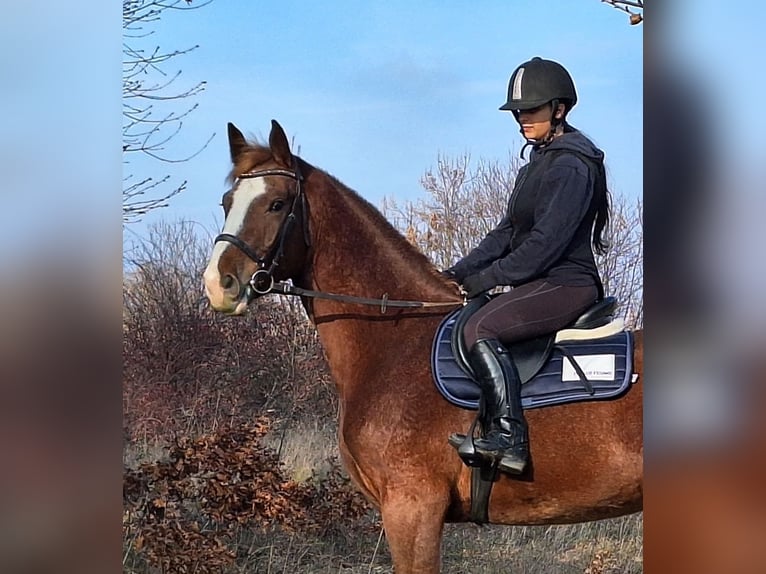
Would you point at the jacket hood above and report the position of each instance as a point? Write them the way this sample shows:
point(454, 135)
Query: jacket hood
point(575, 141)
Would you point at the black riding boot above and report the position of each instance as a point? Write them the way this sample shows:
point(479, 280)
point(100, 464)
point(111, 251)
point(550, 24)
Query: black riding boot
point(506, 438)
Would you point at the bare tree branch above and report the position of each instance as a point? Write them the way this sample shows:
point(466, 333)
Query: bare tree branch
point(150, 96)
point(626, 5)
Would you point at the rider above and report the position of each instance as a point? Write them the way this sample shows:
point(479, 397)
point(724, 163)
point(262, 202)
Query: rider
point(543, 247)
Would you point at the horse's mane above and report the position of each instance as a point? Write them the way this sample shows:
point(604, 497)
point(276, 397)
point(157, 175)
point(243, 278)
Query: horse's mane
point(257, 153)
point(377, 221)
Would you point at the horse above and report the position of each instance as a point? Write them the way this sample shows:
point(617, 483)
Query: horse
point(286, 219)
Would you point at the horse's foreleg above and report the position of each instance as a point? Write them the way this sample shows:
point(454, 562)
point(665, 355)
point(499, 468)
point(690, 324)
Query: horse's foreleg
point(414, 522)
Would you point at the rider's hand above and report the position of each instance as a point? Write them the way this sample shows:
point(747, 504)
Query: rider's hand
point(448, 274)
point(478, 283)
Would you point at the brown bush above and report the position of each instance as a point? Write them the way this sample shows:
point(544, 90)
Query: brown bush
point(188, 370)
point(183, 514)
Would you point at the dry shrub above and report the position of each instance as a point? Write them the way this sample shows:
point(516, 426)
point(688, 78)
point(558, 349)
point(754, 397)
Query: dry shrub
point(184, 514)
point(187, 369)
point(622, 267)
point(462, 203)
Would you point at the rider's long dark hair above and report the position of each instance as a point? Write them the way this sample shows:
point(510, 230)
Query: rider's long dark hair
point(603, 210)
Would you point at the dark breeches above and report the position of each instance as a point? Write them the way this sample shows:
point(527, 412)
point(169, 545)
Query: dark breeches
point(529, 310)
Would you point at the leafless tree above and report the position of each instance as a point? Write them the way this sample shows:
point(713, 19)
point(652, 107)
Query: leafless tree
point(461, 204)
point(621, 267)
point(634, 8)
point(150, 104)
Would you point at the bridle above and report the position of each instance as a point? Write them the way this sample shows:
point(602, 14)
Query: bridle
point(264, 275)
point(265, 272)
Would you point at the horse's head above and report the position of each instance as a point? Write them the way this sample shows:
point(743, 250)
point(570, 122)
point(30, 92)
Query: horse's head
point(265, 234)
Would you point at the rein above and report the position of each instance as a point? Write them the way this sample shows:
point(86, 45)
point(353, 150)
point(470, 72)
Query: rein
point(283, 288)
point(265, 273)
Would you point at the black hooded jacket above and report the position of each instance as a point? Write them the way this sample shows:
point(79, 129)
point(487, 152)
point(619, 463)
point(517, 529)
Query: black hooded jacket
point(546, 231)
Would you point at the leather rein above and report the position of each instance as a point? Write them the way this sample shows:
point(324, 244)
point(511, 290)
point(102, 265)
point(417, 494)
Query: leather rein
point(265, 273)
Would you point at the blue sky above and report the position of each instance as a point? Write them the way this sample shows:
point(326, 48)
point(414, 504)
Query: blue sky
point(373, 92)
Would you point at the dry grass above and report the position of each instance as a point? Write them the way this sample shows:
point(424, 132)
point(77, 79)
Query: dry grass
point(308, 452)
point(608, 546)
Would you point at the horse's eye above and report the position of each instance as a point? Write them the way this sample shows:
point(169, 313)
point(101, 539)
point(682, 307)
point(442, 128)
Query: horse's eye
point(276, 205)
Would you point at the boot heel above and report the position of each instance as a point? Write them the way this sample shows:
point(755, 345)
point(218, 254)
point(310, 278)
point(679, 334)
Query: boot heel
point(513, 462)
point(513, 466)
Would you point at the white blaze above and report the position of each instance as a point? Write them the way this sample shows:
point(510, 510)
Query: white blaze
point(244, 194)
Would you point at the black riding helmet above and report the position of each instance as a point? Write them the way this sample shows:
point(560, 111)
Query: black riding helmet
point(538, 82)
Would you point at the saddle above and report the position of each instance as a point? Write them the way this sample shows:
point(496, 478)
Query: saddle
point(589, 359)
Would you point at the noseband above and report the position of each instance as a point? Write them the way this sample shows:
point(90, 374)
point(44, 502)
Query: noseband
point(265, 271)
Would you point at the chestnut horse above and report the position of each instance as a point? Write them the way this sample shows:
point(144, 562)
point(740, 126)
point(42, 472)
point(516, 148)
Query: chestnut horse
point(288, 219)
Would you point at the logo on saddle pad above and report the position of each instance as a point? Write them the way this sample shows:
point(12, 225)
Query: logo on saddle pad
point(595, 367)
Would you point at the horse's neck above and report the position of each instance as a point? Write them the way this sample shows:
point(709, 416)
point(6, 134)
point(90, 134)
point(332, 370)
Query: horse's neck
point(356, 253)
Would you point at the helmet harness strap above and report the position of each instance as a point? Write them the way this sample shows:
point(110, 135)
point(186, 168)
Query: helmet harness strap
point(548, 138)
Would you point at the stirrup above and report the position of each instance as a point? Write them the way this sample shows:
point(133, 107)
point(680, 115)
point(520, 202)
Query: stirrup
point(456, 439)
point(465, 447)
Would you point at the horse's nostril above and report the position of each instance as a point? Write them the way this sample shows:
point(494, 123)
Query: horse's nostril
point(228, 281)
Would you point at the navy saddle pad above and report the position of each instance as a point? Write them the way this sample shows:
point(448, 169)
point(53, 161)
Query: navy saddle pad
point(605, 361)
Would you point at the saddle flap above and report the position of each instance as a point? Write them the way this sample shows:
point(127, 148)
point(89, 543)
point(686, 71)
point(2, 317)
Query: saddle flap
point(531, 355)
point(461, 317)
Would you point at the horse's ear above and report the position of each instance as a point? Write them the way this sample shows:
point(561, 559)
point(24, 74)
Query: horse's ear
point(237, 142)
point(280, 148)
